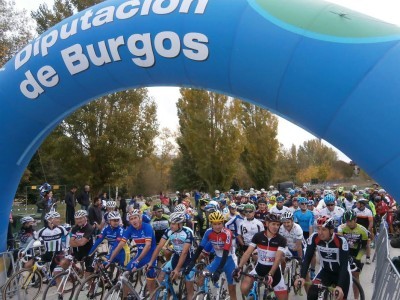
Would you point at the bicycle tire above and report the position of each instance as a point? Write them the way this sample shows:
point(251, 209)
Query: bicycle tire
point(360, 289)
point(202, 296)
point(159, 293)
point(50, 294)
point(13, 288)
point(115, 293)
point(98, 282)
point(181, 289)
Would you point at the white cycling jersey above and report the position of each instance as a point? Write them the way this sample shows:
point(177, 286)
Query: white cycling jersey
point(292, 236)
point(249, 228)
point(278, 211)
point(336, 214)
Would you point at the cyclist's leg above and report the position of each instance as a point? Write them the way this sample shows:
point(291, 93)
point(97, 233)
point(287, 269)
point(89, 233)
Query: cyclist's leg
point(189, 279)
point(247, 283)
point(229, 267)
point(279, 286)
point(320, 277)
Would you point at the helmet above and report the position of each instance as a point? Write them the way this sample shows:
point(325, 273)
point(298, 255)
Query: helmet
point(377, 198)
point(349, 196)
point(280, 199)
point(211, 207)
point(213, 202)
point(240, 208)
point(177, 217)
point(81, 213)
point(27, 219)
point(287, 215)
point(310, 202)
point(329, 199)
point(52, 215)
point(216, 192)
point(111, 204)
point(135, 212)
point(223, 201)
point(340, 189)
point(232, 205)
point(180, 208)
point(250, 207)
point(353, 188)
point(292, 192)
point(272, 198)
point(349, 215)
point(271, 187)
point(114, 215)
point(326, 222)
point(216, 217)
point(272, 218)
point(381, 191)
point(44, 188)
point(302, 200)
point(203, 201)
point(157, 207)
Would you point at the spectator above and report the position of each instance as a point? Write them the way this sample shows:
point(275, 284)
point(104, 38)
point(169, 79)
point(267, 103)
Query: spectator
point(84, 198)
point(70, 201)
point(48, 201)
point(123, 207)
point(95, 215)
point(10, 237)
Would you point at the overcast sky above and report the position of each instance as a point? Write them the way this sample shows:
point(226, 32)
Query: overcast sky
point(288, 133)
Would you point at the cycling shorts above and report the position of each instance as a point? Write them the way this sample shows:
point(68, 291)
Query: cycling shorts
point(171, 265)
point(228, 268)
point(278, 282)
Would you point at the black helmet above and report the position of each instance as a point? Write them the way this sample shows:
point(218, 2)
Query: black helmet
point(349, 215)
point(272, 218)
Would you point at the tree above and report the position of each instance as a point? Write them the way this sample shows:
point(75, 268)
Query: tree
point(209, 136)
point(15, 31)
point(315, 153)
point(260, 129)
point(286, 164)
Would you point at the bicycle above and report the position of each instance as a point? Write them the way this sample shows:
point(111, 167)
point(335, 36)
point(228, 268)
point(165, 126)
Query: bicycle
point(17, 285)
point(166, 288)
point(116, 292)
point(255, 290)
point(68, 281)
point(217, 291)
point(290, 274)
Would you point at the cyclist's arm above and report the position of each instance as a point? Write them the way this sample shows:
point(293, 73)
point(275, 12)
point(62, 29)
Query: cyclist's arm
point(160, 245)
point(299, 247)
point(277, 262)
point(246, 255)
point(74, 242)
point(343, 261)
point(308, 256)
point(98, 241)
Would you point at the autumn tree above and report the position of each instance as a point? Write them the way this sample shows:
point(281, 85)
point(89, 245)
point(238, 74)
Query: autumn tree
point(315, 153)
point(261, 146)
point(209, 136)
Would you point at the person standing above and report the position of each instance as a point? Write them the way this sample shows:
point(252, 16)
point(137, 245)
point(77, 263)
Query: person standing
point(70, 201)
point(84, 198)
point(95, 215)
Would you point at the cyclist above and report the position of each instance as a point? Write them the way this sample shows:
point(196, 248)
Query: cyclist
point(143, 235)
point(304, 217)
point(113, 234)
point(357, 237)
point(160, 221)
point(333, 251)
point(221, 241)
point(331, 210)
point(181, 239)
point(249, 227)
point(279, 209)
point(110, 206)
point(271, 202)
point(262, 211)
point(270, 246)
point(293, 234)
point(366, 219)
point(81, 240)
point(232, 211)
point(25, 235)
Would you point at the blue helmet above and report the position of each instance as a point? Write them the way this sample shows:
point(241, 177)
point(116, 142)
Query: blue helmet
point(329, 199)
point(280, 199)
point(302, 200)
point(44, 189)
point(292, 192)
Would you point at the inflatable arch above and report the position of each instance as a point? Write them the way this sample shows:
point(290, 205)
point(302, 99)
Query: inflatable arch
point(333, 71)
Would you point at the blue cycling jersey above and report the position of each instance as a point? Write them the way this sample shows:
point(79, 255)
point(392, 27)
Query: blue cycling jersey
point(179, 239)
point(233, 224)
point(112, 235)
point(304, 219)
point(140, 236)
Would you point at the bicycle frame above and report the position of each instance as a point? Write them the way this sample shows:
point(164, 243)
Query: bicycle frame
point(168, 286)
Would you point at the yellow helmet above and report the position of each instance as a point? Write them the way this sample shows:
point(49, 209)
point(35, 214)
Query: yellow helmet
point(216, 217)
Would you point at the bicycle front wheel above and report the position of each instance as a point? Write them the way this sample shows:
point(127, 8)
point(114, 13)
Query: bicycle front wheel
point(160, 293)
point(93, 287)
point(202, 296)
point(115, 293)
point(357, 291)
point(23, 285)
point(63, 284)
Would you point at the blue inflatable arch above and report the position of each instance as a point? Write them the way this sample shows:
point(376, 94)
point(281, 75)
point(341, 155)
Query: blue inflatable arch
point(333, 71)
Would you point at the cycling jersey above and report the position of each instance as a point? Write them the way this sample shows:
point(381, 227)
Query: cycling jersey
point(336, 214)
point(25, 235)
point(292, 236)
point(220, 241)
point(78, 233)
point(276, 211)
point(260, 215)
point(364, 217)
point(113, 236)
point(52, 238)
point(179, 238)
point(267, 248)
point(234, 224)
point(305, 219)
point(159, 226)
point(356, 238)
point(249, 228)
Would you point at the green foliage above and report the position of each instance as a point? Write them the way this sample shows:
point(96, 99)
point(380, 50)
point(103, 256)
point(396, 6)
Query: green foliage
point(15, 31)
point(260, 128)
point(315, 153)
point(286, 165)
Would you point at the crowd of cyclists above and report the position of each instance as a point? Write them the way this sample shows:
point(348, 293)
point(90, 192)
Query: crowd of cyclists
point(229, 230)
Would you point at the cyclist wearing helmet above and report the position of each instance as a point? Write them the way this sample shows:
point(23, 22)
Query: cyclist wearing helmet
point(160, 222)
point(143, 235)
point(333, 251)
point(232, 211)
point(304, 217)
point(222, 205)
point(366, 219)
point(221, 241)
point(271, 202)
point(357, 238)
point(279, 209)
point(234, 223)
point(293, 234)
point(270, 246)
point(262, 210)
point(249, 227)
point(81, 240)
point(25, 234)
point(113, 234)
point(146, 207)
point(331, 210)
point(181, 239)
point(110, 206)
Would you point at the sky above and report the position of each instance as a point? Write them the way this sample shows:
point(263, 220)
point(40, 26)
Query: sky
point(288, 133)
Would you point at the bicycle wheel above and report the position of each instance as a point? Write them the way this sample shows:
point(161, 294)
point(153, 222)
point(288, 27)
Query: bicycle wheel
point(247, 270)
point(115, 293)
point(93, 287)
point(356, 286)
point(202, 296)
point(160, 293)
point(62, 284)
point(25, 284)
point(182, 289)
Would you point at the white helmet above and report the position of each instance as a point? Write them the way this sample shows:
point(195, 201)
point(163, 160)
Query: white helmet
point(180, 208)
point(177, 217)
point(114, 215)
point(81, 213)
point(217, 192)
point(27, 219)
point(52, 215)
point(135, 212)
point(111, 204)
